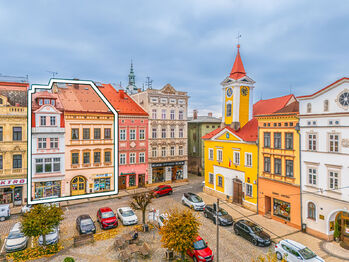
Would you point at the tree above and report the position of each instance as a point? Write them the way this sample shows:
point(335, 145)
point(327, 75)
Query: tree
point(41, 220)
point(269, 257)
point(140, 201)
point(180, 231)
point(336, 233)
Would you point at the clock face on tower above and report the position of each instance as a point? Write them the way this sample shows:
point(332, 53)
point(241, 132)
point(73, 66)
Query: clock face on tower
point(244, 91)
point(229, 92)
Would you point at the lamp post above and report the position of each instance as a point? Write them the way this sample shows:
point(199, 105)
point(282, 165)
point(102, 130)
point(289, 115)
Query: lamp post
point(298, 128)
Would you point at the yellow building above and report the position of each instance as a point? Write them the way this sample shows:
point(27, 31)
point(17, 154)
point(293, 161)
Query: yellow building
point(13, 143)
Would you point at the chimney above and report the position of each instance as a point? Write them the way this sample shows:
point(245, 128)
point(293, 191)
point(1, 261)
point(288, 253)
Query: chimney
point(122, 93)
point(195, 114)
point(76, 86)
point(139, 90)
point(210, 114)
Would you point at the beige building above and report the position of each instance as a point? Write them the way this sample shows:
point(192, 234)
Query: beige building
point(167, 153)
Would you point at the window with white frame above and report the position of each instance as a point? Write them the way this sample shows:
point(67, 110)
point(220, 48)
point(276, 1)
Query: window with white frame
point(172, 114)
point(312, 176)
point(163, 151)
point(52, 120)
point(42, 143)
point(43, 120)
point(333, 179)
point(172, 151)
point(132, 134)
point(236, 159)
point(54, 142)
point(249, 190)
point(333, 142)
point(132, 158)
point(219, 155)
point(153, 113)
point(122, 159)
point(181, 135)
point(153, 133)
point(154, 152)
point(210, 154)
point(180, 150)
point(180, 115)
point(163, 133)
point(172, 133)
point(210, 178)
point(163, 114)
point(141, 134)
point(312, 142)
point(122, 134)
point(248, 159)
point(47, 165)
point(142, 157)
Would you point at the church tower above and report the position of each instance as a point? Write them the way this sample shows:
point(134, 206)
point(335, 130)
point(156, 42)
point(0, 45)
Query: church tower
point(237, 96)
point(131, 87)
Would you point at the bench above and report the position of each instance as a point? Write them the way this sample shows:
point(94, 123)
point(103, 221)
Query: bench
point(83, 239)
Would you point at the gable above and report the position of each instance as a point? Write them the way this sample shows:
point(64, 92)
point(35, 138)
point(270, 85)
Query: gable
point(226, 135)
point(168, 89)
point(47, 109)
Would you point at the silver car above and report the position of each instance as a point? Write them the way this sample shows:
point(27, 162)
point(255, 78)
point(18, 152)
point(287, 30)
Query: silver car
point(51, 238)
point(16, 240)
point(193, 201)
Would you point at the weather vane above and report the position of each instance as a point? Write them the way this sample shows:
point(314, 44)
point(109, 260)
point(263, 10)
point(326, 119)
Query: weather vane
point(238, 38)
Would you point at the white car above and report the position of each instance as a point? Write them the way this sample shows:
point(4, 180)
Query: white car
point(16, 240)
point(5, 212)
point(193, 201)
point(26, 208)
point(51, 238)
point(127, 216)
point(294, 252)
point(161, 219)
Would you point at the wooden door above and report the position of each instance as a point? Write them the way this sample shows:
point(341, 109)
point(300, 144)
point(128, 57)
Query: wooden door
point(237, 191)
point(267, 205)
point(122, 182)
point(141, 180)
point(78, 186)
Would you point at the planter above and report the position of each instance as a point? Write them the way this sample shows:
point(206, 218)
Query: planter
point(337, 239)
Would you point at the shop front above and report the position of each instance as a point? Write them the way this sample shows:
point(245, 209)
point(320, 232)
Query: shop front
point(102, 183)
point(47, 189)
point(167, 171)
point(342, 224)
point(12, 191)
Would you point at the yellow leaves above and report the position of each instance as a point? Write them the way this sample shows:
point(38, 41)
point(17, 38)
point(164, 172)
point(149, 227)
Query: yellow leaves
point(35, 253)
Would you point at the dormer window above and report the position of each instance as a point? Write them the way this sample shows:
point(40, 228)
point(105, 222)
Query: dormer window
point(40, 102)
point(53, 102)
point(47, 101)
point(308, 108)
point(326, 106)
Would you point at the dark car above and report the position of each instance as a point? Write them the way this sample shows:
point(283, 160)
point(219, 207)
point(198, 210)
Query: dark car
point(106, 218)
point(224, 219)
point(85, 224)
point(252, 232)
point(162, 190)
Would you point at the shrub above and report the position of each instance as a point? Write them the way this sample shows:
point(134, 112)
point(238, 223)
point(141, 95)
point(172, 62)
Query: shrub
point(69, 259)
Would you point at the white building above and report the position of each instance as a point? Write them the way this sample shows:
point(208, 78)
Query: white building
point(324, 127)
point(48, 146)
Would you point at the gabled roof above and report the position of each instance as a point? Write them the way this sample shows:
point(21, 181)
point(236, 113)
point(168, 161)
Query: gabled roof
point(238, 70)
point(204, 119)
point(291, 108)
point(45, 94)
point(121, 101)
point(269, 106)
point(16, 93)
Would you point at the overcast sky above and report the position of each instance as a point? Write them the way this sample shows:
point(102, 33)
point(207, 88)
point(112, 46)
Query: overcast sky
point(286, 46)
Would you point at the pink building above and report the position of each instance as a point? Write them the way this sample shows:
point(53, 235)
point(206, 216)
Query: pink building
point(133, 138)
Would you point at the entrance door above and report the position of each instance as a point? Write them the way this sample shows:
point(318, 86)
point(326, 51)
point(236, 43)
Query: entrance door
point(174, 173)
point(141, 180)
point(267, 205)
point(78, 185)
point(122, 182)
point(237, 191)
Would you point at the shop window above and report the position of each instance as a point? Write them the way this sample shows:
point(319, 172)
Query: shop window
point(311, 211)
point(142, 157)
point(6, 195)
point(1, 133)
point(141, 134)
point(52, 120)
point(75, 158)
point(122, 134)
point(17, 161)
point(267, 139)
point(101, 184)
point(17, 134)
point(267, 164)
point(282, 209)
point(107, 133)
point(289, 140)
point(86, 156)
point(107, 157)
point(122, 159)
point(97, 157)
point(42, 120)
point(277, 140)
point(97, 133)
point(54, 142)
point(75, 133)
point(132, 134)
point(249, 190)
point(132, 180)
point(86, 133)
point(47, 189)
point(158, 174)
point(210, 178)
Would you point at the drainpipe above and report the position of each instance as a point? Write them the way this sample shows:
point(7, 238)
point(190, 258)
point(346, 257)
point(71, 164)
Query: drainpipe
point(257, 170)
point(298, 128)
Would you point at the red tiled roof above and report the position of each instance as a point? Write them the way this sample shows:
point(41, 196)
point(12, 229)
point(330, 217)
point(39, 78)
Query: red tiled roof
point(269, 106)
point(45, 94)
point(121, 101)
point(291, 108)
point(14, 86)
point(238, 69)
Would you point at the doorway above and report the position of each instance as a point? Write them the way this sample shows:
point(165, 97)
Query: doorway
point(343, 221)
point(141, 180)
point(78, 186)
point(267, 205)
point(237, 191)
point(122, 182)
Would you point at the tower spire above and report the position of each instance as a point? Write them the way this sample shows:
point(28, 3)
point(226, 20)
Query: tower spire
point(238, 70)
point(131, 76)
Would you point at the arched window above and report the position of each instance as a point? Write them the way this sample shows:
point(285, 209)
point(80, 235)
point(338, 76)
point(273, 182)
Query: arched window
point(326, 105)
point(311, 210)
point(308, 108)
point(228, 109)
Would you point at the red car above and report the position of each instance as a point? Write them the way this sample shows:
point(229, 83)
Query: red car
point(200, 252)
point(106, 218)
point(162, 190)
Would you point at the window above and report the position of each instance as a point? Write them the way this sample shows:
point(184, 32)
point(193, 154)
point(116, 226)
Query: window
point(172, 133)
point(266, 139)
point(289, 140)
point(267, 164)
point(107, 133)
point(334, 142)
point(277, 140)
point(17, 134)
point(47, 101)
point(180, 115)
point(248, 159)
point(172, 150)
point(52, 120)
point(142, 157)
point(326, 105)
point(54, 143)
point(228, 109)
point(48, 165)
point(43, 120)
point(154, 133)
point(210, 154)
point(107, 156)
point(311, 210)
point(42, 143)
point(180, 150)
point(308, 108)
point(220, 181)
point(153, 152)
point(39, 165)
point(141, 134)
point(219, 155)
point(132, 180)
point(172, 114)
point(86, 157)
point(97, 133)
point(312, 176)
point(163, 114)
point(132, 134)
point(249, 190)
point(181, 132)
point(75, 133)
point(312, 142)
point(132, 158)
point(17, 161)
point(122, 134)
point(333, 182)
point(97, 157)
point(86, 133)
point(163, 151)
point(122, 159)
point(236, 159)
point(75, 158)
point(210, 178)
point(53, 102)
point(1, 163)
point(277, 166)
point(289, 168)
point(153, 113)
point(56, 164)
point(1, 133)
point(163, 133)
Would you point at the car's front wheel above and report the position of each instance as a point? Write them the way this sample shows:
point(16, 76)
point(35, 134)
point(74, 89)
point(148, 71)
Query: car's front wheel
point(278, 255)
point(157, 195)
point(236, 231)
point(205, 215)
point(170, 193)
point(194, 258)
point(255, 242)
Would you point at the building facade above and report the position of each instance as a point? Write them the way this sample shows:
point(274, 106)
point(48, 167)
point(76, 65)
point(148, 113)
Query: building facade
point(13, 143)
point(133, 138)
point(167, 128)
point(324, 125)
point(198, 126)
point(279, 171)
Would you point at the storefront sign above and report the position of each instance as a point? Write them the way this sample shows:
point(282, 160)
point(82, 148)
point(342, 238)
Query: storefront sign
point(322, 217)
point(167, 164)
point(103, 175)
point(9, 182)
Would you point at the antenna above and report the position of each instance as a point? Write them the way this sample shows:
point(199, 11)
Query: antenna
point(149, 83)
point(53, 73)
point(238, 38)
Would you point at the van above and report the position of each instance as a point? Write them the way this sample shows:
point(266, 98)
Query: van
point(4, 212)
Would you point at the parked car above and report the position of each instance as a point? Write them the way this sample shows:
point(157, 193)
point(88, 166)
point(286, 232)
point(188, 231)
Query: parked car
point(200, 251)
point(85, 224)
point(106, 218)
point(252, 232)
point(5, 212)
point(161, 219)
point(224, 219)
point(162, 190)
point(127, 216)
point(193, 201)
point(51, 238)
point(26, 208)
point(16, 240)
point(294, 251)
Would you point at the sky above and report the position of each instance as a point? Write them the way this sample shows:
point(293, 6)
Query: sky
point(287, 47)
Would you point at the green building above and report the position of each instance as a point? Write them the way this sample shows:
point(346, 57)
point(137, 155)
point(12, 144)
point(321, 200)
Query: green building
point(198, 126)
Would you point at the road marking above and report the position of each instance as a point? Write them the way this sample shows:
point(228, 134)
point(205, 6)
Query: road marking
point(3, 246)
